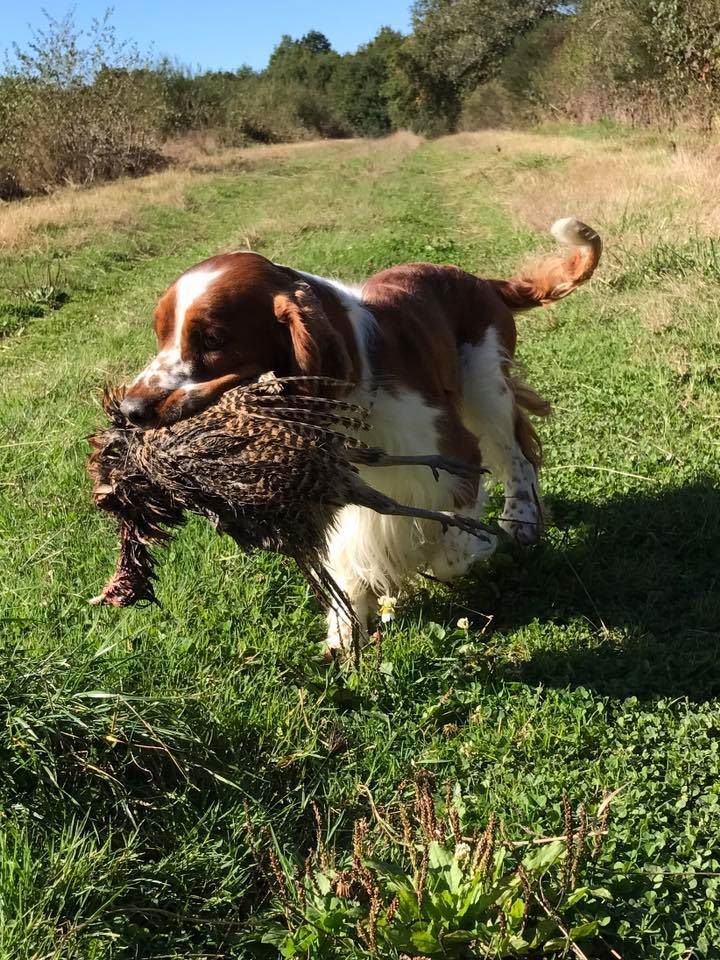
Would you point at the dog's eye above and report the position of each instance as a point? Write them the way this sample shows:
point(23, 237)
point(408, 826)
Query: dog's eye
point(212, 341)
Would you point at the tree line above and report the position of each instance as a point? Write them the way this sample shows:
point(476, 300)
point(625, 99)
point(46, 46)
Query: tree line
point(81, 105)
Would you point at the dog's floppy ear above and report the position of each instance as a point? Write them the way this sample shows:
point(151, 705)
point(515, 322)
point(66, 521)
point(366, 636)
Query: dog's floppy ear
point(318, 349)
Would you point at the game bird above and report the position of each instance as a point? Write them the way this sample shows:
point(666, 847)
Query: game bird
point(265, 464)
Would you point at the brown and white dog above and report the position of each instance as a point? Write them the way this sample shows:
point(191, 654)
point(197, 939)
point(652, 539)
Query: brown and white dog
point(427, 348)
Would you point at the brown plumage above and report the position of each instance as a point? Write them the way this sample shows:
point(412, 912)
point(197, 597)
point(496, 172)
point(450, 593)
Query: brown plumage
point(266, 465)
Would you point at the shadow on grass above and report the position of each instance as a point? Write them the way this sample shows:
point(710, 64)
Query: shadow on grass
point(623, 597)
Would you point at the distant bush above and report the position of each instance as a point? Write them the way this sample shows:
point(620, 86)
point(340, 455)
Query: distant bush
point(492, 105)
point(77, 107)
point(361, 85)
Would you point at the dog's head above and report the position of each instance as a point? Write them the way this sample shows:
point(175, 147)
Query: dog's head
point(225, 322)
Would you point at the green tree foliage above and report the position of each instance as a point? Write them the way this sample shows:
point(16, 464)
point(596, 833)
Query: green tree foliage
point(466, 40)
point(642, 61)
point(361, 85)
point(610, 42)
point(309, 61)
point(301, 72)
point(686, 35)
point(455, 46)
point(421, 97)
point(521, 70)
point(519, 92)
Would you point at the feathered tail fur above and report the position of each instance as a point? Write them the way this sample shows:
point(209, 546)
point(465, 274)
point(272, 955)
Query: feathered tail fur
point(555, 277)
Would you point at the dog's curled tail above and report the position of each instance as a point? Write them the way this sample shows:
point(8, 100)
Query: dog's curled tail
point(555, 277)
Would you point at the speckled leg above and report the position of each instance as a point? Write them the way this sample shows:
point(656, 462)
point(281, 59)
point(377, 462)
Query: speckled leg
point(522, 515)
point(459, 549)
point(489, 410)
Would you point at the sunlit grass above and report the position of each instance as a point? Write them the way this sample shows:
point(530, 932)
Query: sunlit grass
point(135, 743)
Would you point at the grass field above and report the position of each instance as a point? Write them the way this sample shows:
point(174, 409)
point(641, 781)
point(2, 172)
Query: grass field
point(136, 744)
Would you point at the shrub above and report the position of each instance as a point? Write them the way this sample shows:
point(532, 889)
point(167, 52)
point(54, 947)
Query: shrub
point(77, 107)
point(437, 892)
point(492, 105)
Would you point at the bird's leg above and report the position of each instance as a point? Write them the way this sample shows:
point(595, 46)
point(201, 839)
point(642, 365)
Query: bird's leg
point(381, 504)
point(375, 457)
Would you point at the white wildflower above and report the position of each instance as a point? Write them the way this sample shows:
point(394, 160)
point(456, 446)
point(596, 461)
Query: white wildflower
point(463, 623)
point(386, 607)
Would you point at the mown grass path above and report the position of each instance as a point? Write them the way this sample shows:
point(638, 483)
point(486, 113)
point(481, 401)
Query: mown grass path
point(133, 742)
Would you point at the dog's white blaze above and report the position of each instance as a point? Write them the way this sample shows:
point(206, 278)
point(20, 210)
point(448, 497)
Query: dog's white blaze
point(168, 371)
point(189, 288)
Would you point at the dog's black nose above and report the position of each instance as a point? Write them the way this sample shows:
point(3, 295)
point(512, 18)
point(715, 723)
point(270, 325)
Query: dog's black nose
point(138, 411)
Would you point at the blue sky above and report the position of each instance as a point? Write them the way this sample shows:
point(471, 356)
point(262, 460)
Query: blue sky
point(218, 34)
